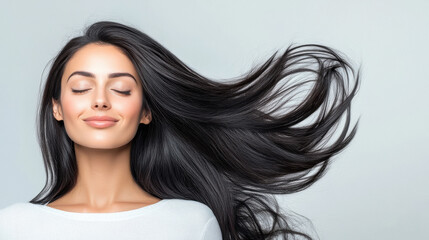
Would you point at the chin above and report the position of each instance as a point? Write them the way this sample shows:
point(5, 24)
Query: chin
point(97, 144)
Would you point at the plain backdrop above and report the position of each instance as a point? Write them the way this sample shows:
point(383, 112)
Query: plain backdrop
point(376, 189)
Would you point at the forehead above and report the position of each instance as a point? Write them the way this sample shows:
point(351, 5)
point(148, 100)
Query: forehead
point(99, 59)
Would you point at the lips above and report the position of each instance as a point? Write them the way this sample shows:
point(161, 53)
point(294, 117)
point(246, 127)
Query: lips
point(100, 121)
point(100, 118)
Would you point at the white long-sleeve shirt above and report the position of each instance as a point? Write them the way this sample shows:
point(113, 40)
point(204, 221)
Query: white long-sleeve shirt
point(167, 219)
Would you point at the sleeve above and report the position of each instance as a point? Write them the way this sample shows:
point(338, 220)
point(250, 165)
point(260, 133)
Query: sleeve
point(211, 230)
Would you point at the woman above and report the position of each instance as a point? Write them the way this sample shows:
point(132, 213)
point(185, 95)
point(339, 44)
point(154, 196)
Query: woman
point(138, 145)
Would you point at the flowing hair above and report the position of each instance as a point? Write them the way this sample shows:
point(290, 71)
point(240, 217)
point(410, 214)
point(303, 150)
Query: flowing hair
point(231, 145)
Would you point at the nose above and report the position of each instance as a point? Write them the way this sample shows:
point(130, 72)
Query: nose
point(101, 102)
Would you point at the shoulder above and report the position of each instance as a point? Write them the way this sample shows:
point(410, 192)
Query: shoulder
point(12, 216)
point(189, 204)
point(20, 213)
point(13, 210)
point(190, 208)
point(196, 217)
point(17, 211)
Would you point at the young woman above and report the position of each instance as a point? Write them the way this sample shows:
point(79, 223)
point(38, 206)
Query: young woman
point(138, 145)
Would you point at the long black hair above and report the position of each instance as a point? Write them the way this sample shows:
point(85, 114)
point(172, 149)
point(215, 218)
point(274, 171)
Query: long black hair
point(231, 145)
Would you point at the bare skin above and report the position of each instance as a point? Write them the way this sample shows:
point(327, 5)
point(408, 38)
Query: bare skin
point(104, 182)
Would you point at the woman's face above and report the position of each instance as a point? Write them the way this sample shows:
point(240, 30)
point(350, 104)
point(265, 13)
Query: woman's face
point(108, 85)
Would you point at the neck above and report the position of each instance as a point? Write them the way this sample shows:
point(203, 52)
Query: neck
point(104, 178)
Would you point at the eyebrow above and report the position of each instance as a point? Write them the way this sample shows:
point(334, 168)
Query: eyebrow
point(111, 75)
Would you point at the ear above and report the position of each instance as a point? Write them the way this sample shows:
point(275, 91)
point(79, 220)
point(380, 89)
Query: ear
point(57, 111)
point(146, 118)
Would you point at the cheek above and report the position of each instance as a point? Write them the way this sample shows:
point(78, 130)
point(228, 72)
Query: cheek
point(74, 107)
point(129, 108)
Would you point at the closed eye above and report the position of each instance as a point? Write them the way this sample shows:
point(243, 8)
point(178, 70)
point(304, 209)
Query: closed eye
point(84, 90)
point(124, 92)
point(79, 91)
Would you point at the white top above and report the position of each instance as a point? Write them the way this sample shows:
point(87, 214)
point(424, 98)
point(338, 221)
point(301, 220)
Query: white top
point(166, 219)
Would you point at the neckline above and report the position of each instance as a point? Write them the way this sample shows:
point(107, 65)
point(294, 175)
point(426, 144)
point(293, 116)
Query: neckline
point(109, 216)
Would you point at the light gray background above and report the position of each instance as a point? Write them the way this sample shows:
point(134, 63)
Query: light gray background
point(376, 189)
